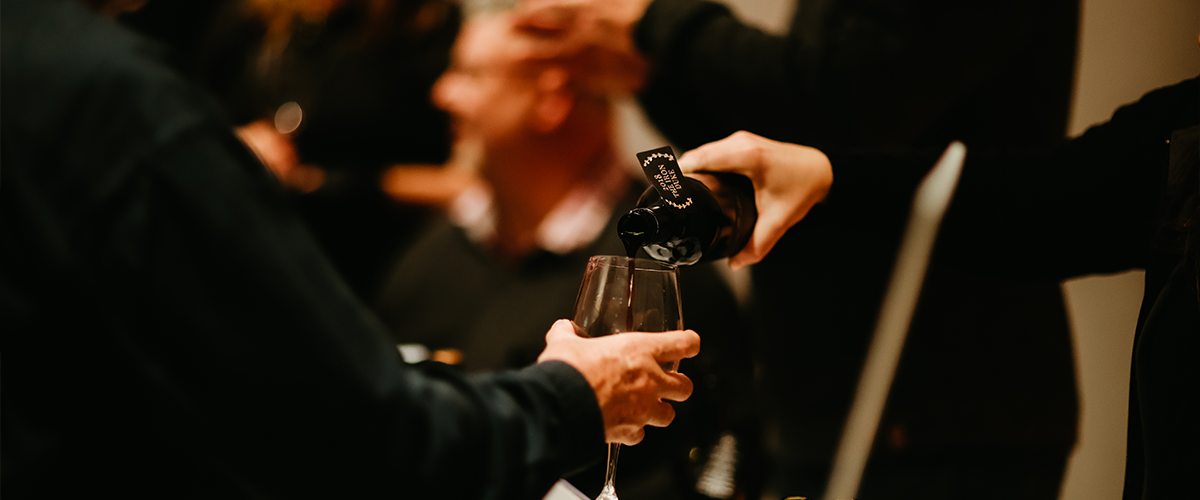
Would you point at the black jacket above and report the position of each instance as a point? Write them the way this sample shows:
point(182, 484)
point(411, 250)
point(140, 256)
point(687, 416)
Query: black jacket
point(170, 330)
point(1111, 200)
point(885, 75)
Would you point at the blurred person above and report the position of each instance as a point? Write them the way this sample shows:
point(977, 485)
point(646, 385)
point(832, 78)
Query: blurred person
point(874, 74)
point(478, 287)
point(1124, 195)
point(171, 329)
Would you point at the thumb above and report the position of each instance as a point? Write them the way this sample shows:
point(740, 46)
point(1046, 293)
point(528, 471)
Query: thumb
point(731, 154)
point(561, 329)
point(706, 158)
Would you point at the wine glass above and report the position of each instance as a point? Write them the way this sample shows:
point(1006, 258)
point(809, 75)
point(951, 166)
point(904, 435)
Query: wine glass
point(622, 294)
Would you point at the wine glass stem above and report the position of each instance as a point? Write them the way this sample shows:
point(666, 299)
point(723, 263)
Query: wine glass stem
point(609, 492)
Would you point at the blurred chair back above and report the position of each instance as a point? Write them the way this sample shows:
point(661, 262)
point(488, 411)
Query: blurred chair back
point(929, 205)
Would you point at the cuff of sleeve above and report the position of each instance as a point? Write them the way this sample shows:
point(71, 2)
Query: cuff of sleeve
point(582, 423)
point(666, 22)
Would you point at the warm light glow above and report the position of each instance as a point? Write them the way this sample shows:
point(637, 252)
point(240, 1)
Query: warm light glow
point(288, 117)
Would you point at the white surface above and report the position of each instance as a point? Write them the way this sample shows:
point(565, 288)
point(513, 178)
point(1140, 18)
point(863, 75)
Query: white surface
point(772, 16)
point(891, 329)
point(563, 490)
point(1103, 312)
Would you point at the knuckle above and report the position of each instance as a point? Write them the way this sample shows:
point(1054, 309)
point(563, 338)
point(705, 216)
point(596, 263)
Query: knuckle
point(754, 151)
point(636, 436)
point(686, 385)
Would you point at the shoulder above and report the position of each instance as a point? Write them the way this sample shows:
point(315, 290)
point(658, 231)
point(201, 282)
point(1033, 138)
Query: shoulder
point(73, 78)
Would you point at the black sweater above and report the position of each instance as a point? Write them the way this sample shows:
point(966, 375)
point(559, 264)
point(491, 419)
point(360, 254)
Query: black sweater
point(170, 330)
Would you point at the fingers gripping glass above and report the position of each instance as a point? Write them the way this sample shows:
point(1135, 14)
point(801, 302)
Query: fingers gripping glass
point(618, 295)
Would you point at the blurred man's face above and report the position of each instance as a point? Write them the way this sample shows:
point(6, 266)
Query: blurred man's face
point(484, 90)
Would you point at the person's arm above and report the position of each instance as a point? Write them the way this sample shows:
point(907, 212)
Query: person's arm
point(172, 327)
point(710, 74)
point(872, 72)
point(876, 72)
point(1090, 205)
point(658, 49)
point(1086, 206)
point(282, 375)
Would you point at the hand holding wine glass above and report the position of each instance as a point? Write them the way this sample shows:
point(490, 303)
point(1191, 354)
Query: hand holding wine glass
point(625, 372)
point(622, 295)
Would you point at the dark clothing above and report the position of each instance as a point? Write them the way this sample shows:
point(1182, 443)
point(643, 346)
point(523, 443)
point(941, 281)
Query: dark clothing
point(882, 75)
point(1101, 203)
point(447, 292)
point(877, 73)
point(362, 78)
point(1162, 435)
point(171, 330)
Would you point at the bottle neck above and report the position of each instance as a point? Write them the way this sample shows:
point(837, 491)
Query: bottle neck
point(639, 227)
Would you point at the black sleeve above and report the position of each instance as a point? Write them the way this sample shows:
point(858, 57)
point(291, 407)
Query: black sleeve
point(862, 72)
point(711, 75)
point(180, 312)
point(275, 336)
point(1090, 206)
point(170, 330)
point(1086, 206)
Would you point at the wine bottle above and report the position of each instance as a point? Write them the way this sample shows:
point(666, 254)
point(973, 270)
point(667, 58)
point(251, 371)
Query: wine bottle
point(683, 220)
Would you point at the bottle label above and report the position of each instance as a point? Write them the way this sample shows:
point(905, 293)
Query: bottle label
point(663, 173)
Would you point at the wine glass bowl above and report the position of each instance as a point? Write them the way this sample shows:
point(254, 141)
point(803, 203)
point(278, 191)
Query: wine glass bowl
point(604, 306)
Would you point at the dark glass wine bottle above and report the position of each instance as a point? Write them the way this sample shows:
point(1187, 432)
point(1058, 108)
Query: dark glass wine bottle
point(683, 220)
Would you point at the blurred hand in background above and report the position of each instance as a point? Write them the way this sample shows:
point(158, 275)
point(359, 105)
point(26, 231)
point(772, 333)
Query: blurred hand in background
point(593, 35)
point(278, 153)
